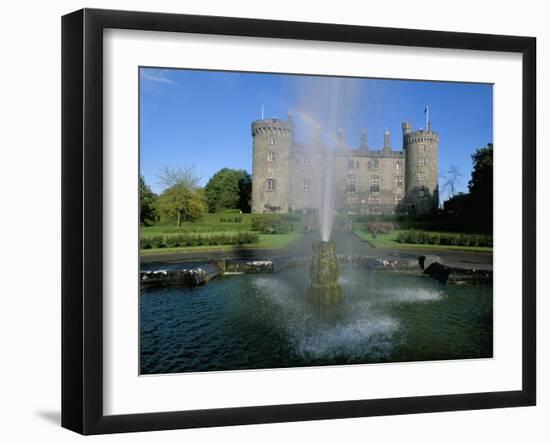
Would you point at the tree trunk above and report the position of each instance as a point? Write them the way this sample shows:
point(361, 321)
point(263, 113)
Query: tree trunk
point(179, 219)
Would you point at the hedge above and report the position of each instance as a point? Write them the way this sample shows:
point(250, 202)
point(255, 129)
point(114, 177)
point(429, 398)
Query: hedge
point(267, 225)
point(448, 239)
point(185, 240)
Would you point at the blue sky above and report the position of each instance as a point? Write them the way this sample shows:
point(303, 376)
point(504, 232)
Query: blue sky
point(202, 118)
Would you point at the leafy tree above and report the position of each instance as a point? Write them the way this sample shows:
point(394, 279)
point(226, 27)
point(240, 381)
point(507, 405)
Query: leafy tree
point(182, 203)
point(182, 198)
point(475, 209)
point(481, 183)
point(146, 202)
point(229, 189)
point(245, 192)
point(481, 187)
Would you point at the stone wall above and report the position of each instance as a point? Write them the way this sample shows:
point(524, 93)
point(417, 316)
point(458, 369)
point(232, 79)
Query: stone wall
point(366, 181)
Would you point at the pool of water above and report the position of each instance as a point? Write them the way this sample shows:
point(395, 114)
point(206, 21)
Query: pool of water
point(272, 321)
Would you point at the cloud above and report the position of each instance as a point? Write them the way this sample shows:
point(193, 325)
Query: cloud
point(157, 78)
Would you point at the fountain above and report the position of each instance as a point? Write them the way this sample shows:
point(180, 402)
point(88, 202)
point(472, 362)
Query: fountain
point(324, 270)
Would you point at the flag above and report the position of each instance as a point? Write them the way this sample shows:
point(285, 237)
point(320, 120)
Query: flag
point(426, 109)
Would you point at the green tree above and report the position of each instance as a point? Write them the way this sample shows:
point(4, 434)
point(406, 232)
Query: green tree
point(182, 199)
point(146, 202)
point(229, 189)
point(481, 188)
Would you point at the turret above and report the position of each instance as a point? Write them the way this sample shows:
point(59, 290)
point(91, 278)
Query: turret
point(407, 128)
point(341, 143)
point(273, 140)
point(387, 143)
point(421, 169)
point(363, 143)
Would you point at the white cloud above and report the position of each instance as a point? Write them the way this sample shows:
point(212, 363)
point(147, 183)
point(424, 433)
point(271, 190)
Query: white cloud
point(157, 78)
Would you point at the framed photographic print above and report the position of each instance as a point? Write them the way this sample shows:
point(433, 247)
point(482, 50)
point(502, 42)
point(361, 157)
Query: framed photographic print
point(269, 221)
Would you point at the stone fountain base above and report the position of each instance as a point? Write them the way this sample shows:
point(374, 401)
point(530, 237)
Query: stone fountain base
point(324, 271)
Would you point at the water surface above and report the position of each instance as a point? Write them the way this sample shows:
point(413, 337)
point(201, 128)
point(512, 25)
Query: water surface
point(274, 321)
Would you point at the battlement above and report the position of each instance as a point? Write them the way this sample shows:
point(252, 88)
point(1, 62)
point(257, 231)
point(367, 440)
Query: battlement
point(273, 126)
point(421, 136)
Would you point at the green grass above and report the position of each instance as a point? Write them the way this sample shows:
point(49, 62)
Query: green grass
point(390, 241)
point(267, 241)
point(212, 224)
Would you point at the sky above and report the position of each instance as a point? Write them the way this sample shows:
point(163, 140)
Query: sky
point(202, 119)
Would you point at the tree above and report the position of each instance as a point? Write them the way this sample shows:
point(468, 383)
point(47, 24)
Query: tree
point(481, 187)
point(146, 202)
point(170, 177)
point(452, 180)
point(481, 183)
point(182, 198)
point(229, 189)
point(474, 210)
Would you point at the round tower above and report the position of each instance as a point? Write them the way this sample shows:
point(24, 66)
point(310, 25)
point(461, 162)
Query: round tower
point(421, 169)
point(273, 140)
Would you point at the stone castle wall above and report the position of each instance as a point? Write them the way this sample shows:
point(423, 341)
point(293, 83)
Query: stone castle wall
point(287, 176)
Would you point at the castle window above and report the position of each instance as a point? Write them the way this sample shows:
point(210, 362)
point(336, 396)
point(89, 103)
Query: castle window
point(351, 163)
point(421, 162)
point(421, 193)
point(270, 141)
point(376, 164)
point(375, 184)
point(398, 166)
point(307, 184)
point(369, 165)
point(421, 176)
point(398, 199)
point(399, 182)
point(271, 156)
point(375, 201)
point(350, 184)
point(422, 148)
point(357, 164)
point(352, 200)
point(270, 184)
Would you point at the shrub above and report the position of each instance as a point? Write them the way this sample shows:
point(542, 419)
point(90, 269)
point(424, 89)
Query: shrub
point(447, 239)
point(379, 228)
point(293, 218)
point(236, 219)
point(191, 239)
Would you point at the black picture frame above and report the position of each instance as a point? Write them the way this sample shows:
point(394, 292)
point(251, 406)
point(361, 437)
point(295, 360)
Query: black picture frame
point(82, 260)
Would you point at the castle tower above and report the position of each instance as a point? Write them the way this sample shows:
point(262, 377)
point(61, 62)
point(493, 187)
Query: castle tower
point(273, 140)
point(421, 169)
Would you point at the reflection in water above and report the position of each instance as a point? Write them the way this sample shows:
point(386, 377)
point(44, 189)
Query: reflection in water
point(278, 320)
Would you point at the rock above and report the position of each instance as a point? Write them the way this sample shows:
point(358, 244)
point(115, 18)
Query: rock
point(438, 272)
point(426, 260)
point(184, 278)
point(249, 266)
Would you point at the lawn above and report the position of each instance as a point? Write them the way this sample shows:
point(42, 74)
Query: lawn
point(224, 223)
point(389, 241)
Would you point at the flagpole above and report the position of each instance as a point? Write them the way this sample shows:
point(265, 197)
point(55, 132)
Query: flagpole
point(427, 118)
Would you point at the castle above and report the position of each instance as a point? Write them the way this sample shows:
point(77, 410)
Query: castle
point(287, 176)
